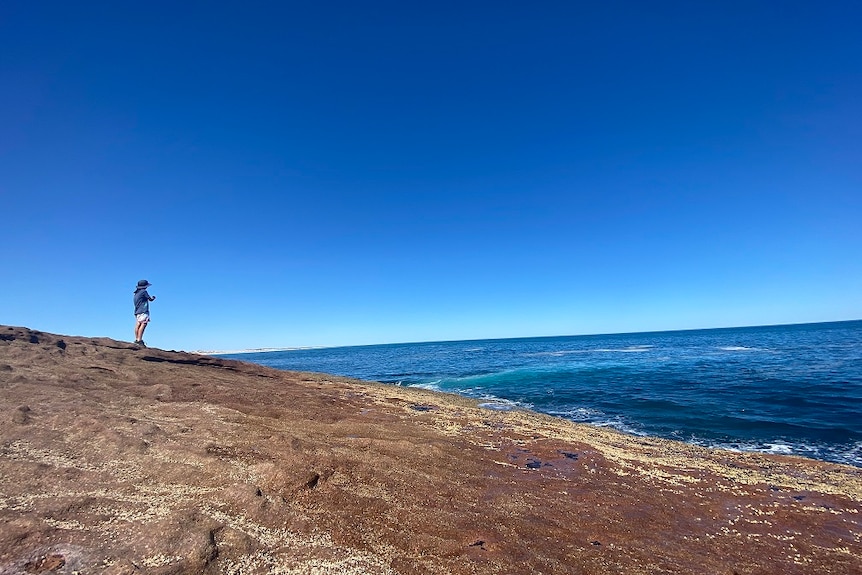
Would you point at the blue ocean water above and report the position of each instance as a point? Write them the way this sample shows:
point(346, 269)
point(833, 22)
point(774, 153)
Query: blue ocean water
point(793, 389)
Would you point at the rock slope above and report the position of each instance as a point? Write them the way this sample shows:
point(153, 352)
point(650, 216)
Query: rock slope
point(120, 460)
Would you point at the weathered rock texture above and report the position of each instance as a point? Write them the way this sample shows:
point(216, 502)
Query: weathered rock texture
point(121, 460)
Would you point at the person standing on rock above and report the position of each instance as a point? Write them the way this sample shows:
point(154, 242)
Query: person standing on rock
point(142, 310)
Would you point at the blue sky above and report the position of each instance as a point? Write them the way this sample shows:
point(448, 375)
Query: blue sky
point(338, 173)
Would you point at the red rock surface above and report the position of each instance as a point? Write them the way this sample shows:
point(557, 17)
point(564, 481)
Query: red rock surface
point(120, 460)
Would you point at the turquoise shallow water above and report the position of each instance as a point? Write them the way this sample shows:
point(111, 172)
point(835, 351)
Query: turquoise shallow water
point(779, 389)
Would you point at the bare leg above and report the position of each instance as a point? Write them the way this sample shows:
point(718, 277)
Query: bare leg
point(139, 331)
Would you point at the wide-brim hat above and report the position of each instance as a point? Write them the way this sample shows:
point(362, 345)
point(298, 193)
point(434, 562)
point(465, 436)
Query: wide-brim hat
point(144, 284)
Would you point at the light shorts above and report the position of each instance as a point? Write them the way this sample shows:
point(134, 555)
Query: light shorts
point(143, 318)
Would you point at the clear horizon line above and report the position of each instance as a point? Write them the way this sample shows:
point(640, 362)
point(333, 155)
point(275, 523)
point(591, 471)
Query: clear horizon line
point(300, 348)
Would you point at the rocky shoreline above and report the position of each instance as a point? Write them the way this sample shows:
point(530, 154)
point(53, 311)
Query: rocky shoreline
point(119, 460)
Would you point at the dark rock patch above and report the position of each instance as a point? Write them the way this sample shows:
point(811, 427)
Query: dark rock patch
point(421, 407)
point(45, 564)
point(21, 415)
point(312, 481)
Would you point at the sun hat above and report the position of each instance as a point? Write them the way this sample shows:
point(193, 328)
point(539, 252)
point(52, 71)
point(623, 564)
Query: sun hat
point(144, 283)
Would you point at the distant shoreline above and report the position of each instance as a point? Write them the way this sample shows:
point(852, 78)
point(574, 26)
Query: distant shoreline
point(255, 350)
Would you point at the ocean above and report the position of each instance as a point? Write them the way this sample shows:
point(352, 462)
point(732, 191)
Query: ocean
point(794, 389)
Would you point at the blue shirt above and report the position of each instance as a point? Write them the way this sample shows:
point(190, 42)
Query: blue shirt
point(142, 301)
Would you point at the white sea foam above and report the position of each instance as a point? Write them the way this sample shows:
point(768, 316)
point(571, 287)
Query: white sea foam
point(490, 401)
point(852, 455)
point(578, 413)
point(430, 385)
point(737, 348)
point(632, 349)
point(780, 448)
point(562, 352)
point(617, 424)
point(596, 418)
